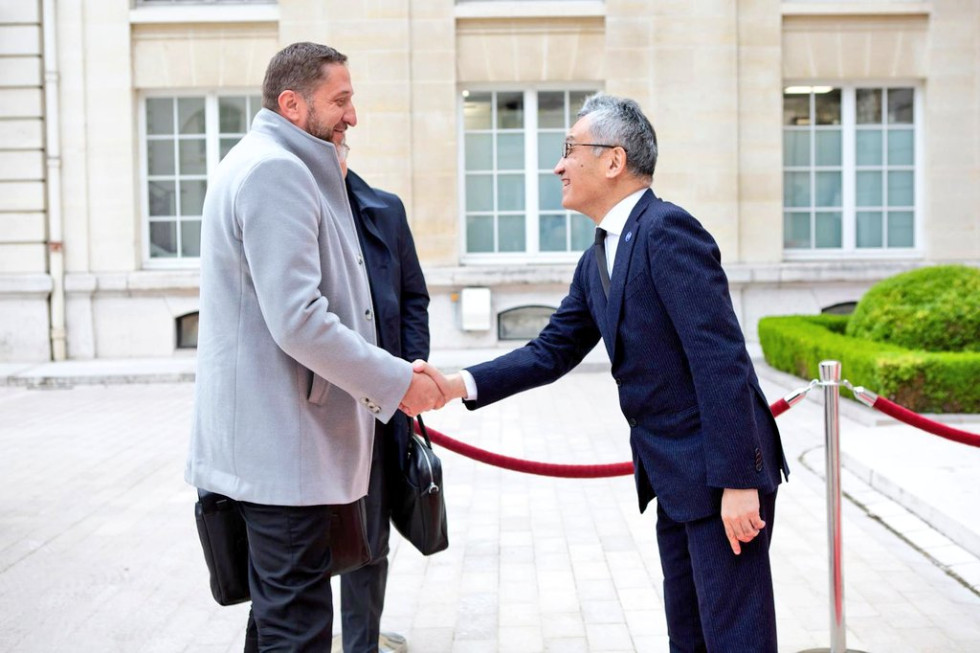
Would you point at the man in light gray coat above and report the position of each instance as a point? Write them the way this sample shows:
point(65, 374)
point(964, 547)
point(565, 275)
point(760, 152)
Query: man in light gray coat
point(289, 380)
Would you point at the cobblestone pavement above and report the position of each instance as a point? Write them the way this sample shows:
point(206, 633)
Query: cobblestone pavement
point(98, 550)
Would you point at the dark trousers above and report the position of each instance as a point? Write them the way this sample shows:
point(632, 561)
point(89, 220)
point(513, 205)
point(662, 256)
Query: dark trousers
point(362, 592)
point(289, 559)
point(716, 601)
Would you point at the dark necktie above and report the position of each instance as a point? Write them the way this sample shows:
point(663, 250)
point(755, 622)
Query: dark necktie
point(600, 257)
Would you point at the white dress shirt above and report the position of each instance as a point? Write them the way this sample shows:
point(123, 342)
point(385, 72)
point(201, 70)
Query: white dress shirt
point(613, 222)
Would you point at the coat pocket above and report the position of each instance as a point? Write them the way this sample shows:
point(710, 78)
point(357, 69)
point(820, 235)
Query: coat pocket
point(319, 389)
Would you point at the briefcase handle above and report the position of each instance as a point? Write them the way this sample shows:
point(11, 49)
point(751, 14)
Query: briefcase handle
point(425, 434)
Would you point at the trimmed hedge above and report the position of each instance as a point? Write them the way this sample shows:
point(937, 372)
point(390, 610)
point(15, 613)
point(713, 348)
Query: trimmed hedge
point(926, 382)
point(934, 309)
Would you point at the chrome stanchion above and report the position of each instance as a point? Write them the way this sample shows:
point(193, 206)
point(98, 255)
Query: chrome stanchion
point(830, 377)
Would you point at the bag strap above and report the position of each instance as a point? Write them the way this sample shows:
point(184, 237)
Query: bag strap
point(425, 434)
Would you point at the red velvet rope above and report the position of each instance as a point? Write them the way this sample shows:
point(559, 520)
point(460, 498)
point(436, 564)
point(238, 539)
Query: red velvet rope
point(903, 414)
point(624, 469)
point(546, 469)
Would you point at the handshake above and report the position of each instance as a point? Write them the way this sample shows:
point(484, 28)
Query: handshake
point(430, 389)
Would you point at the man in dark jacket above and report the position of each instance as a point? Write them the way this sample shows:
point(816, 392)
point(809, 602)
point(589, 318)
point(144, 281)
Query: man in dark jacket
point(401, 303)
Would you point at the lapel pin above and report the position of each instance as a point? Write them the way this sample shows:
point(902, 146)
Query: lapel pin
point(629, 235)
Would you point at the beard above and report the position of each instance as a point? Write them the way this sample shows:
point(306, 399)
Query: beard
point(316, 125)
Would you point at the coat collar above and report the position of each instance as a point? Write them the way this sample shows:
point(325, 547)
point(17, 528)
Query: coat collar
point(367, 203)
point(319, 156)
point(624, 253)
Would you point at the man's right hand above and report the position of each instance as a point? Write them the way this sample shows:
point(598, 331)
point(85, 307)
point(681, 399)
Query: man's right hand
point(423, 394)
point(452, 386)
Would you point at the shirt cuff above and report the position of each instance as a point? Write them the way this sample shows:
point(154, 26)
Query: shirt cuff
point(470, 383)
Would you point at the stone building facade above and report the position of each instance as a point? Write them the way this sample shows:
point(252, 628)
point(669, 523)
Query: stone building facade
point(826, 145)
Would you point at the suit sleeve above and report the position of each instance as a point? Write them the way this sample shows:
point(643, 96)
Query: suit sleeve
point(570, 334)
point(414, 300)
point(686, 269)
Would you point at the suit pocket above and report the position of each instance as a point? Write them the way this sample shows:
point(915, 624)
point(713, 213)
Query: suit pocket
point(319, 389)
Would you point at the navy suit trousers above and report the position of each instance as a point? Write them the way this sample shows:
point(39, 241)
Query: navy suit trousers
point(703, 577)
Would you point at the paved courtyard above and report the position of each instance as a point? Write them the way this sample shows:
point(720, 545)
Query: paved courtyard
point(98, 550)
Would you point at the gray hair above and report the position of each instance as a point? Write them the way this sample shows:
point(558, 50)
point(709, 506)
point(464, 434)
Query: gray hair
point(620, 121)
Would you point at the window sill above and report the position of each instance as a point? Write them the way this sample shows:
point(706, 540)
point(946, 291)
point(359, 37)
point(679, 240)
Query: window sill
point(860, 8)
point(258, 13)
point(530, 9)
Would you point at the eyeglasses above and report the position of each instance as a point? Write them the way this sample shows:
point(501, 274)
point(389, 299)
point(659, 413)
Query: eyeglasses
point(566, 147)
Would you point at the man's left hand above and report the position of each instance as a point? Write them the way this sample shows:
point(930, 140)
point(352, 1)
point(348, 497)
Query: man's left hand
point(740, 514)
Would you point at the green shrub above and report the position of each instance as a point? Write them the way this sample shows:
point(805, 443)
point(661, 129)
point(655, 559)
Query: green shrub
point(935, 309)
point(925, 382)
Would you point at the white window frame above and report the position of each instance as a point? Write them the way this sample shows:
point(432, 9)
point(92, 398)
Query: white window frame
point(212, 153)
point(532, 210)
point(848, 249)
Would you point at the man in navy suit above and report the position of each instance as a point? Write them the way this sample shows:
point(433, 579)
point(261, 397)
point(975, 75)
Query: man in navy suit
point(703, 438)
point(401, 303)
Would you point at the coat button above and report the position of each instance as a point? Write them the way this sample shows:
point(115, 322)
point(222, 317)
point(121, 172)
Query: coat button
point(758, 460)
point(619, 381)
point(367, 315)
point(632, 422)
point(360, 260)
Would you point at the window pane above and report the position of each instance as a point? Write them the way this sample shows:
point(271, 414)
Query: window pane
point(551, 232)
point(476, 111)
point(796, 109)
point(551, 110)
point(868, 189)
point(796, 148)
point(159, 116)
point(868, 229)
point(479, 192)
point(190, 115)
point(868, 146)
point(901, 147)
point(900, 229)
point(900, 190)
point(796, 230)
point(583, 232)
point(512, 234)
point(163, 198)
point(190, 238)
point(510, 193)
point(827, 107)
point(510, 110)
point(479, 233)
point(549, 149)
point(160, 157)
point(232, 116)
point(869, 106)
point(163, 239)
point(828, 145)
point(192, 196)
point(549, 192)
point(479, 152)
point(900, 106)
point(255, 105)
point(796, 189)
point(225, 145)
point(193, 157)
point(510, 151)
point(575, 101)
point(827, 229)
point(828, 191)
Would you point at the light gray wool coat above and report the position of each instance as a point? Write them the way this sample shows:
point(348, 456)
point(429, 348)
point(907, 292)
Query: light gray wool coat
point(289, 380)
